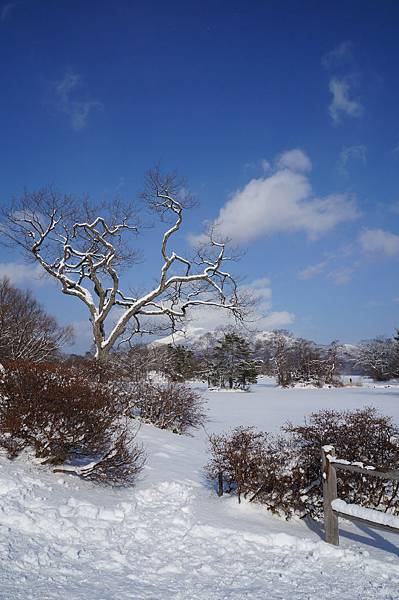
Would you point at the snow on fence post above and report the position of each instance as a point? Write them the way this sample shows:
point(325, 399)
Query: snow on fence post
point(220, 483)
point(329, 477)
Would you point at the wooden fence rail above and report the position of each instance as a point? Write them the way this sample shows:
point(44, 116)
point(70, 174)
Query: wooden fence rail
point(330, 464)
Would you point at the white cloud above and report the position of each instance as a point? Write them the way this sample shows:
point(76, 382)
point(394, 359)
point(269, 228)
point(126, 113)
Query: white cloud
point(279, 203)
point(260, 290)
point(296, 160)
point(312, 270)
point(77, 109)
point(338, 55)
point(379, 241)
point(341, 103)
point(277, 320)
point(202, 320)
point(26, 274)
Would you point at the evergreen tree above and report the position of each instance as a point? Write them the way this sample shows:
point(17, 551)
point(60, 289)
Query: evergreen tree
point(180, 363)
point(232, 363)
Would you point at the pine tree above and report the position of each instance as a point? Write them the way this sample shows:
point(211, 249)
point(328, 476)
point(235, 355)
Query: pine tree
point(232, 363)
point(180, 363)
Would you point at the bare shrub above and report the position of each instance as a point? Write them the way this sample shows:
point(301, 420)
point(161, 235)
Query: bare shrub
point(63, 418)
point(119, 466)
point(284, 472)
point(240, 456)
point(361, 435)
point(168, 406)
point(106, 372)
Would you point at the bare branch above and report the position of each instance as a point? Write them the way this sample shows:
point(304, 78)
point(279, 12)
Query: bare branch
point(84, 246)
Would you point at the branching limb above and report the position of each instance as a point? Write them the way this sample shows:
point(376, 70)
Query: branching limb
point(84, 246)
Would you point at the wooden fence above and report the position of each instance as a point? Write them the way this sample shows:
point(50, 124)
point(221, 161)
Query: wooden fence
point(330, 465)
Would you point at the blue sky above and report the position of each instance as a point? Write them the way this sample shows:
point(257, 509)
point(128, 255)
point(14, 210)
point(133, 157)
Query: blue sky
point(282, 115)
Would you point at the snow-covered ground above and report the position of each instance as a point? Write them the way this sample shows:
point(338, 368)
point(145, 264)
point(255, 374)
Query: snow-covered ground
point(171, 537)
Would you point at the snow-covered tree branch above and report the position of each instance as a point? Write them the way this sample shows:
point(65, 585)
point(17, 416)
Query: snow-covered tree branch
point(85, 246)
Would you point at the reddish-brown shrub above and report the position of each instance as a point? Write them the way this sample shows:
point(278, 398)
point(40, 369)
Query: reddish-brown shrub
point(62, 417)
point(362, 435)
point(241, 457)
point(168, 406)
point(284, 472)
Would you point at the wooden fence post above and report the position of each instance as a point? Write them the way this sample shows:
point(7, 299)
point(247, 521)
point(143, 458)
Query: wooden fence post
point(329, 476)
point(220, 484)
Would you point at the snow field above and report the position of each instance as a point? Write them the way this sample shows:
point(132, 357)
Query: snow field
point(170, 537)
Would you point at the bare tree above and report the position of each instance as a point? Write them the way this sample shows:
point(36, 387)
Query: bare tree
point(294, 360)
point(281, 343)
point(84, 247)
point(378, 358)
point(27, 332)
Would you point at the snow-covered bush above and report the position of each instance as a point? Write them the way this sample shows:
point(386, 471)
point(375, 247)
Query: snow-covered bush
point(65, 420)
point(241, 456)
point(284, 472)
point(255, 465)
point(168, 406)
point(362, 435)
point(165, 404)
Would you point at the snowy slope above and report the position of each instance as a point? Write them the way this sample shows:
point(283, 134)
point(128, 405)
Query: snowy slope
point(172, 538)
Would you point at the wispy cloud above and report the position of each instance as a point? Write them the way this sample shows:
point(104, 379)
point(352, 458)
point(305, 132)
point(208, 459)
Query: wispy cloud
point(342, 104)
point(331, 266)
point(394, 207)
point(72, 99)
point(340, 54)
point(358, 152)
point(339, 275)
point(342, 275)
point(266, 166)
point(312, 270)
point(6, 10)
point(349, 153)
point(259, 165)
